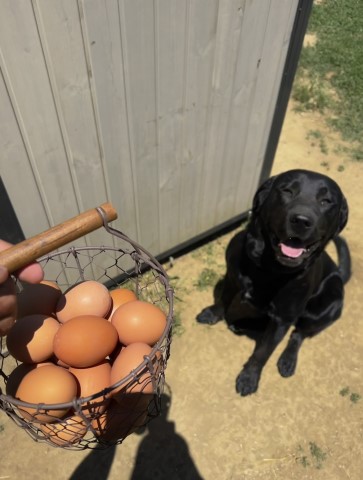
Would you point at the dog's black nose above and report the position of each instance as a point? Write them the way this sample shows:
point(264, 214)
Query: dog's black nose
point(302, 222)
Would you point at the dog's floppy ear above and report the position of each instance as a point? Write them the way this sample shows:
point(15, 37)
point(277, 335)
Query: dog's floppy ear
point(343, 214)
point(255, 243)
point(261, 194)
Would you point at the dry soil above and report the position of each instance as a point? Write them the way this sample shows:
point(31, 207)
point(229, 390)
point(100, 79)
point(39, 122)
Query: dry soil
point(305, 427)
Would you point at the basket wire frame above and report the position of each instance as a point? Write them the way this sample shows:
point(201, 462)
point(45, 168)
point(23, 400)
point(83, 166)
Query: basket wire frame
point(129, 266)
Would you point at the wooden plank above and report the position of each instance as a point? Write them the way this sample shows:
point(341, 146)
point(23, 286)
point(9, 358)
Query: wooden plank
point(143, 176)
point(16, 171)
point(39, 127)
point(170, 24)
point(33, 132)
point(244, 77)
point(199, 49)
point(65, 43)
point(103, 25)
point(234, 78)
point(277, 34)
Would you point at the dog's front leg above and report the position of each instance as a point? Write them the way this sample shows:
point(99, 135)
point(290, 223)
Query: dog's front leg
point(247, 381)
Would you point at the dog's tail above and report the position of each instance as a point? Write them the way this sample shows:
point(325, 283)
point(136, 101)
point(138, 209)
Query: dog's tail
point(344, 260)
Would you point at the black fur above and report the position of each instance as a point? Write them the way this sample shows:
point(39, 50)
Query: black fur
point(278, 272)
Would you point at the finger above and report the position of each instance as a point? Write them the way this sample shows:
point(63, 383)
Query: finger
point(7, 305)
point(32, 273)
point(4, 245)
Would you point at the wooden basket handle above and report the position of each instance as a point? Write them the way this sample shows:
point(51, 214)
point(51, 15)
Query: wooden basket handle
point(29, 250)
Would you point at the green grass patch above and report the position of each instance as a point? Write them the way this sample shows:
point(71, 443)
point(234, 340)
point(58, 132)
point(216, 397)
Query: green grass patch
point(316, 137)
point(311, 92)
point(178, 328)
point(179, 292)
point(206, 251)
point(344, 391)
point(302, 458)
point(207, 278)
point(354, 397)
point(317, 455)
point(330, 73)
point(314, 457)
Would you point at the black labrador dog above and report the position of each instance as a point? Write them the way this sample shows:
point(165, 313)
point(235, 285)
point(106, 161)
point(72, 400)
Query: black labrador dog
point(278, 273)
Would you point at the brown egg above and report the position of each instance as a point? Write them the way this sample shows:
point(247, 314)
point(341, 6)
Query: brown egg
point(30, 339)
point(115, 353)
point(17, 375)
point(39, 298)
point(48, 385)
point(128, 360)
point(58, 362)
point(85, 341)
point(86, 298)
point(66, 432)
point(139, 321)
point(119, 297)
point(91, 381)
point(118, 422)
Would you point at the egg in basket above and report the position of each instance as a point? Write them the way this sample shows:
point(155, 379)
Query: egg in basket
point(83, 366)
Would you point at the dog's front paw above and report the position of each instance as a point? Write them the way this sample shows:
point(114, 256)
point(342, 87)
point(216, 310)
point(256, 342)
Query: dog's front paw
point(209, 316)
point(247, 381)
point(287, 364)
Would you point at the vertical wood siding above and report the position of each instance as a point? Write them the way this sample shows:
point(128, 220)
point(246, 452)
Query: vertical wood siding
point(162, 107)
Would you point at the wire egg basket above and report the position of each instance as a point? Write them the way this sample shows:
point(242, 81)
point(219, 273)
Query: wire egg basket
point(106, 417)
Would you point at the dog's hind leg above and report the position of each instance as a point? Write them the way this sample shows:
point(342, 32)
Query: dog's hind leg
point(224, 292)
point(211, 315)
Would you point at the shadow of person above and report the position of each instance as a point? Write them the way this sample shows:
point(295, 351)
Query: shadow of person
point(96, 466)
point(163, 454)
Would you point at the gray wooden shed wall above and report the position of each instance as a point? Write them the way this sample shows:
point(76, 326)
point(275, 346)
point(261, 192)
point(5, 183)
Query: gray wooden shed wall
point(161, 107)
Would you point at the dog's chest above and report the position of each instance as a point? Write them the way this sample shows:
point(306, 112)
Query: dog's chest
point(258, 289)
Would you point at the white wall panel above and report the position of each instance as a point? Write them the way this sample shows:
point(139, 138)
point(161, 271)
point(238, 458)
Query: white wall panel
point(162, 107)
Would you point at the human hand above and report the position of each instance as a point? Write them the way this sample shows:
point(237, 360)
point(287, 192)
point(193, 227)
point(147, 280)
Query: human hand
point(32, 273)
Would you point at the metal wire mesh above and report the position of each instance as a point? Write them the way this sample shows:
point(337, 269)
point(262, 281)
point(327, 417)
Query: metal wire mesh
point(99, 421)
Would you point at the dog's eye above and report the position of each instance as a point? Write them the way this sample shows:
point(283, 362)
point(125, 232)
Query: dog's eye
point(325, 201)
point(287, 191)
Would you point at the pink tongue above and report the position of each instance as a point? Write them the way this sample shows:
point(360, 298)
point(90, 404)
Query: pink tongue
point(291, 251)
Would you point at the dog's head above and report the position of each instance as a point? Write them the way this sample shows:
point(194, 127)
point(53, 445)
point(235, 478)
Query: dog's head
point(295, 214)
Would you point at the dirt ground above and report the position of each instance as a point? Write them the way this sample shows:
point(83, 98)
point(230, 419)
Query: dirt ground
point(305, 427)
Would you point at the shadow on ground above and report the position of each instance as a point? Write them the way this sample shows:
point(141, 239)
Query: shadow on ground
point(163, 454)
